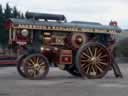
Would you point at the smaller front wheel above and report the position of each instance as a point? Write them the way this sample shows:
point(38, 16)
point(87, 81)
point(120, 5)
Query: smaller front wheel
point(36, 66)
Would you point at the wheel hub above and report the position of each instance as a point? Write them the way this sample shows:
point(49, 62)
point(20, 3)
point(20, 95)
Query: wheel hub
point(93, 60)
point(79, 40)
point(37, 66)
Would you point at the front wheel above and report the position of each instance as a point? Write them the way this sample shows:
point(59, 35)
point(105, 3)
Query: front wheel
point(93, 60)
point(35, 66)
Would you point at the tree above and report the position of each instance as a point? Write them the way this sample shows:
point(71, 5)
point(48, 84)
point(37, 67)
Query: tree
point(1, 11)
point(7, 11)
point(1, 16)
point(3, 32)
point(5, 14)
point(15, 13)
point(22, 16)
point(2, 29)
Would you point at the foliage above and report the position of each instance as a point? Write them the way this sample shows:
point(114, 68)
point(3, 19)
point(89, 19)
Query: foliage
point(5, 14)
point(7, 11)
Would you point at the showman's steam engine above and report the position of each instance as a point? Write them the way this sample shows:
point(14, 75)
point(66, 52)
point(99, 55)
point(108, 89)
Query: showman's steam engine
point(84, 49)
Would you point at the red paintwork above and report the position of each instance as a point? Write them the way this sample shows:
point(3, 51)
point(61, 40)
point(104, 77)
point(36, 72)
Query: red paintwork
point(22, 39)
point(7, 62)
point(8, 24)
point(63, 54)
point(59, 56)
point(66, 59)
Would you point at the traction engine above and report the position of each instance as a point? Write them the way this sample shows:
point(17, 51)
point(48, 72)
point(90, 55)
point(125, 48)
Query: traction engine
point(80, 48)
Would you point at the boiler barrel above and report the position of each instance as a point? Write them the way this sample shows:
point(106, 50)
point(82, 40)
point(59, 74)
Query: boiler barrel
point(45, 16)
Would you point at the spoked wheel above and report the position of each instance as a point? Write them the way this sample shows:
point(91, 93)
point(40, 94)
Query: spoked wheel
point(93, 60)
point(36, 66)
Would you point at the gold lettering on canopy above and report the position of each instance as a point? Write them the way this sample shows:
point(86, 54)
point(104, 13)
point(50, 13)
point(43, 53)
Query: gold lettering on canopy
point(60, 28)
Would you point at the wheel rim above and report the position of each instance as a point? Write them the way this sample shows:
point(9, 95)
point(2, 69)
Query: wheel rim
point(19, 65)
point(35, 67)
point(94, 61)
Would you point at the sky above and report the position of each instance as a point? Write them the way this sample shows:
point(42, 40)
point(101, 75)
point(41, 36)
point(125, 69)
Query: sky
point(102, 11)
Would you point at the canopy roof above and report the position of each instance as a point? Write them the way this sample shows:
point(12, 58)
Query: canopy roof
point(73, 24)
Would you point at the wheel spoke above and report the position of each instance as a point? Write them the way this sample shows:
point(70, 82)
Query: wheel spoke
point(83, 66)
point(93, 69)
point(85, 55)
point(28, 67)
point(99, 50)
point(88, 68)
point(34, 59)
point(99, 65)
point(102, 63)
point(35, 73)
point(28, 63)
point(103, 56)
point(31, 60)
point(42, 64)
point(37, 60)
point(40, 60)
point(30, 72)
point(99, 68)
point(99, 54)
point(95, 52)
point(90, 51)
point(85, 61)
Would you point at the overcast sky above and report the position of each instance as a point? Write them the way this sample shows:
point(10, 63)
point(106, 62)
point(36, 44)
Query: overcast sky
point(101, 11)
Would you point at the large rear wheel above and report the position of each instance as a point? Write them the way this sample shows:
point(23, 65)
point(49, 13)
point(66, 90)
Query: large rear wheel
point(93, 60)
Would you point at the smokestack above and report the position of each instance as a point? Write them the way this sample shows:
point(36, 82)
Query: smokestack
point(113, 23)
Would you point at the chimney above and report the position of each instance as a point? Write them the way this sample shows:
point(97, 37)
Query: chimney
point(113, 23)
